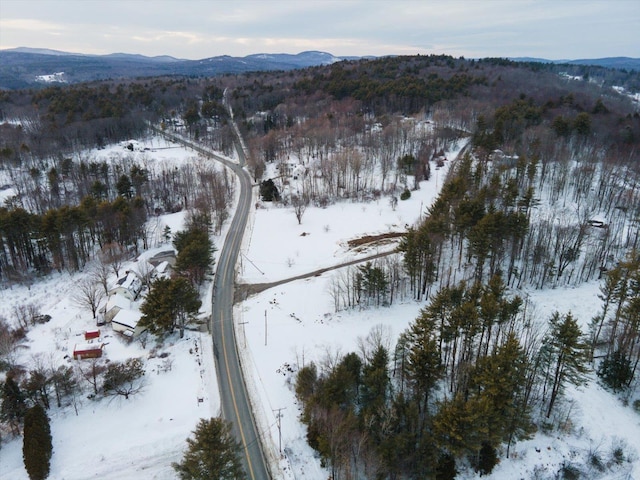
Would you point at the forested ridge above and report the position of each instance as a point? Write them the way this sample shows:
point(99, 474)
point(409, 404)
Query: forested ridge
point(544, 194)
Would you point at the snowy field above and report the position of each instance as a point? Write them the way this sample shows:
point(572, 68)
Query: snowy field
point(290, 325)
point(278, 331)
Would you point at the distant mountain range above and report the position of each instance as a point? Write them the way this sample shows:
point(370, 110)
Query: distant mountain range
point(626, 63)
point(30, 67)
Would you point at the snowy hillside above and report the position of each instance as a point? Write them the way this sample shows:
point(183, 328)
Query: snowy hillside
point(279, 331)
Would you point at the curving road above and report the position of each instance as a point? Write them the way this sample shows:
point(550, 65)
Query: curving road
point(234, 398)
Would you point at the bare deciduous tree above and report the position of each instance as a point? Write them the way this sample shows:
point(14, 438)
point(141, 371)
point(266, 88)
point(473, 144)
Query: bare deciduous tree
point(113, 254)
point(299, 203)
point(91, 370)
point(88, 294)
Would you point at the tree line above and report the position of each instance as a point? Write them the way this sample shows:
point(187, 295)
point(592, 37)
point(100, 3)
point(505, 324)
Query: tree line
point(467, 379)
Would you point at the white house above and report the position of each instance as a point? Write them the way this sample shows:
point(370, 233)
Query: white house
point(129, 286)
point(115, 303)
point(126, 322)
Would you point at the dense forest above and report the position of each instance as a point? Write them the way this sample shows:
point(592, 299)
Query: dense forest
point(544, 193)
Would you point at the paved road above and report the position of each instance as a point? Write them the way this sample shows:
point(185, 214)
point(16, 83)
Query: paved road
point(233, 392)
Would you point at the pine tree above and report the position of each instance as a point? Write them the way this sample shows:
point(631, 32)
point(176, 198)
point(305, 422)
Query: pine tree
point(423, 367)
point(375, 390)
point(13, 405)
point(497, 386)
point(37, 447)
point(212, 453)
point(566, 355)
point(615, 371)
point(459, 426)
point(169, 303)
point(487, 459)
point(195, 253)
point(446, 467)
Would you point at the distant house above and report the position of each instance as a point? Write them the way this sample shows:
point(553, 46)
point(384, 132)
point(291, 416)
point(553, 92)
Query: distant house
point(129, 286)
point(504, 159)
point(166, 256)
point(126, 323)
point(596, 223)
point(87, 350)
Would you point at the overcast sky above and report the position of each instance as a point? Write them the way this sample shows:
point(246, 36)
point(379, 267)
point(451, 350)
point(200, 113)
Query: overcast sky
point(194, 29)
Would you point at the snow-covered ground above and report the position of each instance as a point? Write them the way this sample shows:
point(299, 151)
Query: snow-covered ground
point(114, 438)
point(290, 325)
point(279, 330)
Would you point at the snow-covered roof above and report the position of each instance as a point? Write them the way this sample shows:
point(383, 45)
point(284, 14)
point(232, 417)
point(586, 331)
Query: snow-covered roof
point(130, 281)
point(117, 301)
point(85, 347)
point(128, 318)
point(162, 268)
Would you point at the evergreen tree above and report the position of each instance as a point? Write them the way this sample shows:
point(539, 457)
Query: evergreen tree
point(375, 390)
point(169, 304)
point(487, 459)
point(582, 123)
point(565, 354)
point(269, 192)
point(423, 367)
point(195, 253)
point(497, 391)
point(446, 467)
point(306, 382)
point(13, 405)
point(37, 447)
point(212, 453)
point(616, 372)
point(459, 426)
point(374, 283)
point(124, 186)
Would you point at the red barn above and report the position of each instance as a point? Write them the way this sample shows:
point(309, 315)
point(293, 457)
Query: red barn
point(91, 334)
point(87, 350)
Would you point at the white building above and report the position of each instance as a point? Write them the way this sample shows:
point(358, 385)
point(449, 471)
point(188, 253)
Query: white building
point(126, 323)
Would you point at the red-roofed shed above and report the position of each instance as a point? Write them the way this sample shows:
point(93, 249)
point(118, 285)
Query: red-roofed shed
point(91, 334)
point(87, 350)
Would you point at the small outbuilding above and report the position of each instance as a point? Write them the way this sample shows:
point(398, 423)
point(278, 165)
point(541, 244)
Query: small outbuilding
point(91, 334)
point(87, 350)
point(126, 323)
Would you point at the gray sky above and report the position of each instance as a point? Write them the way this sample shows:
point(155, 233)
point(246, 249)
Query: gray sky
point(194, 29)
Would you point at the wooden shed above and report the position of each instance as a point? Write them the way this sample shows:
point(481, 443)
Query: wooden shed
point(87, 350)
point(91, 334)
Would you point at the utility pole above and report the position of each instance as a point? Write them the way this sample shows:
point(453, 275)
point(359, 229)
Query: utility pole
point(279, 417)
point(265, 328)
point(244, 332)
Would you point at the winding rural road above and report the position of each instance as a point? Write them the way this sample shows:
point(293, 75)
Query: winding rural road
point(234, 398)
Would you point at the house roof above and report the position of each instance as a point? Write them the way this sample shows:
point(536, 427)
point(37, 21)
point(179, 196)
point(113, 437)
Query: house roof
point(117, 301)
point(163, 267)
point(128, 318)
point(130, 281)
point(87, 347)
point(165, 255)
